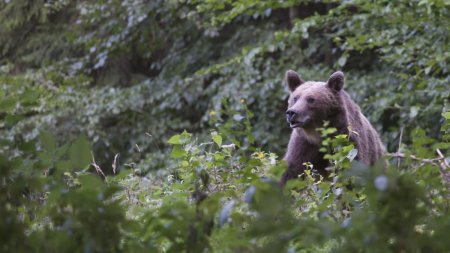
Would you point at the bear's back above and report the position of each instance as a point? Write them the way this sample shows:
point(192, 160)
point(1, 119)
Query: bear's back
point(361, 132)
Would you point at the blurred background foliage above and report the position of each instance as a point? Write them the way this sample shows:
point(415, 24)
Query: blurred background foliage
point(128, 75)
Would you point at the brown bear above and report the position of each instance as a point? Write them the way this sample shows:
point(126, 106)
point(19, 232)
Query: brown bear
point(310, 104)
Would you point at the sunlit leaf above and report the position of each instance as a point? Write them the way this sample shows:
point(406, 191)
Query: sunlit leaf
point(177, 152)
point(217, 138)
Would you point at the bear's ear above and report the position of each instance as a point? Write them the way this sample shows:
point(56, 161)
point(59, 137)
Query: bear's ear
point(293, 80)
point(336, 81)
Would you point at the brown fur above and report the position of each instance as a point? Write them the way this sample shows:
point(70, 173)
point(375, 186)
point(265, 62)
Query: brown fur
point(312, 103)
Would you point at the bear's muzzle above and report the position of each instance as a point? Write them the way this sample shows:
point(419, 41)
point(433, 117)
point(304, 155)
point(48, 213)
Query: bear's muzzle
point(296, 119)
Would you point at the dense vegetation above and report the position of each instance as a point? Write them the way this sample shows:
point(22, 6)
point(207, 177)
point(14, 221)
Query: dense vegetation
point(158, 126)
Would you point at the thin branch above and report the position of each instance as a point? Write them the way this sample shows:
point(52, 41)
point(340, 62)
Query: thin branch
point(443, 167)
point(114, 165)
point(154, 142)
point(415, 158)
point(97, 168)
point(439, 162)
point(399, 146)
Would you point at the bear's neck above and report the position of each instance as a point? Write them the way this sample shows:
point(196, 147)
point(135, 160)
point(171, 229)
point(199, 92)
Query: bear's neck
point(311, 135)
point(337, 119)
point(340, 122)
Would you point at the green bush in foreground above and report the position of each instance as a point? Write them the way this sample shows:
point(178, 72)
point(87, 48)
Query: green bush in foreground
point(222, 196)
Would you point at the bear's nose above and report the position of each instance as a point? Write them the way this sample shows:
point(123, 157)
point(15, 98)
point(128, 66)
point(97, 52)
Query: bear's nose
point(290, 114)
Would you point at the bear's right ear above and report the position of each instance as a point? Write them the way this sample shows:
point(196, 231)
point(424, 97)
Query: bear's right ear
point(293, 80)
point(336, 81)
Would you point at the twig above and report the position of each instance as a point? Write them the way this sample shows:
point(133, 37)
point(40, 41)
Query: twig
point(415, 158)
point(439, 162)
point(97, 168)
point(443, 166)
point(114, 165)
point(154, 142)
point(399, 146)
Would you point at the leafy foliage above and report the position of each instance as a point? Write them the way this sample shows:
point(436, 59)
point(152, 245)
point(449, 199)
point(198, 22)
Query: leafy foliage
point(221, 199)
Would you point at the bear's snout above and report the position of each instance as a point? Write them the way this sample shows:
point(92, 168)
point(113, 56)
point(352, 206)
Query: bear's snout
point(290, 115)
point(297, 119)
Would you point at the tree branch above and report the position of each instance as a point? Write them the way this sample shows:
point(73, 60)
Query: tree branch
point(439, 162)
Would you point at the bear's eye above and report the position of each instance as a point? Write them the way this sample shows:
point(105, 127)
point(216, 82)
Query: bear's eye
point(310, 100)
point(295, 99)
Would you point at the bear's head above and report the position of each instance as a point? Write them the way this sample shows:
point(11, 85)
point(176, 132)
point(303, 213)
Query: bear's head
point(311, 103)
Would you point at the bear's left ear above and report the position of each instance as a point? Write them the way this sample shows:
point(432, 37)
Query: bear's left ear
point(336, 81)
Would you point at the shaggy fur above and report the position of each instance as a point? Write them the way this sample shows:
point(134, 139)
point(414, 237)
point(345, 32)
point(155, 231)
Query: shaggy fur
point(312, 103)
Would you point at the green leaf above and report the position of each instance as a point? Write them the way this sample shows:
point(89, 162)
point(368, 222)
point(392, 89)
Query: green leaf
point(216, 138)
point(177, 152)
point(48, 141)
point(342, 60)
point(182, 138)
point(185, 137)
point(238, 117)
point(446, 115)
point(80, 153)
point(7, 104)
point(174, 139)
point(352, 154)
point(11, 120)
point(413, 112)
point(90, 181)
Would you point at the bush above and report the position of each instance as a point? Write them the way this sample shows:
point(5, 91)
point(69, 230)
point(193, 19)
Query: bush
point(221, 196)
